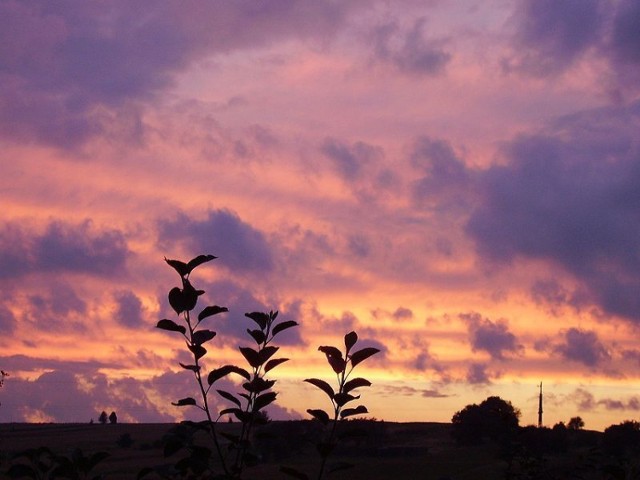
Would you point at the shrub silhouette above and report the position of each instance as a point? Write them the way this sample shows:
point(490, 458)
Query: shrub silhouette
point(623, 438)
point(495, 419)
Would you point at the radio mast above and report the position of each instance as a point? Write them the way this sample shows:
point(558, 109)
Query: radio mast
point(540, 407)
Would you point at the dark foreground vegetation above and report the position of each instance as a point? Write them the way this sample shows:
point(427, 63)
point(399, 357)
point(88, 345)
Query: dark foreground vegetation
point(379, 450)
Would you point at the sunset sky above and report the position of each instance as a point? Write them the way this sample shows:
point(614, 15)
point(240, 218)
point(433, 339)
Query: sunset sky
point(458, 182)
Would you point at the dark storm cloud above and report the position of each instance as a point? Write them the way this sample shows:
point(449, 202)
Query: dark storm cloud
point(61, 62)
point(583, 347)
point(409, 50)
point(570, 196)
point(62, 247)
point(491, 337)
point(239, 246)
point(129, 310)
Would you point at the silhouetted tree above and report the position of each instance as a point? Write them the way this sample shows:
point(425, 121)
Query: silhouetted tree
point(622, 438)
point(2, 375)
point(103, 417)
point(575, 423)
point(113, 418)
point(494, 418)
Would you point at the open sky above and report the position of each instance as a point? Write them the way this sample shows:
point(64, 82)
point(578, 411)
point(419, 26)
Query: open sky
point(458, 182)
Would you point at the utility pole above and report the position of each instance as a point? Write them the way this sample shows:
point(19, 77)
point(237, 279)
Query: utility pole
point(540, 407)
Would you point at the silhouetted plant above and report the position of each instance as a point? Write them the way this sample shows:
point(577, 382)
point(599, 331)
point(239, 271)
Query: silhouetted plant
point(247, 405)
point(113, 418)
point(3, 374)
point(42, 464)
point(342, 366)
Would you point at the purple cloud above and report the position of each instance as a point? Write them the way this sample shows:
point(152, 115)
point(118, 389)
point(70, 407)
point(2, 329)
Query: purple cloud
point(477, 374)
point(583, 347)
point(491, 337)
point(62, 247)
point(351, 161)
point(7, 321)
point(409, 51)
point(444, 176)
point(569, 195)
point(552, 35)
point(239, 246)
point(129, 310)
point(62, 60)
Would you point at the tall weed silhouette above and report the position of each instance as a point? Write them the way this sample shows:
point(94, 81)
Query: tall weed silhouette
point(340, 398)
point(232, 450)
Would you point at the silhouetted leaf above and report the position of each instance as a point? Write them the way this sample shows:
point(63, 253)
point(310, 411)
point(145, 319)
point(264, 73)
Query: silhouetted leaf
point(344, 398)
point(330, 351)
point(334, 357)
point(171, 326)
point(262, 319)
point(350, 340)
point(348, 412)
point(198, 350)
point(199, 260)
point(211, 310)
point(227, 411)
point(320, 415)
point(322, 385)
point(355, 383)
point(258, 384)
point(172, 445)
point(266, 353)
point(184, 401)
point(251, 355)
point(362, 355)
point(263, 400)
point(292, 472)
point(218, 373)
point(229, 397)
point(202, 336)
point(193, 368)
point(185, 299)
point(180, 267)
point(283, 326)
point(273, 363)
point(258, 335)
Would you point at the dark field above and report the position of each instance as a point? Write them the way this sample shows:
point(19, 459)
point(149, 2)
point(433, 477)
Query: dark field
point(387, 451)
